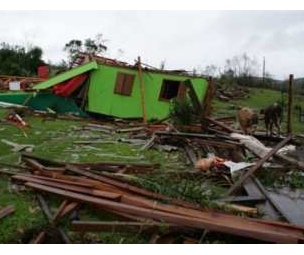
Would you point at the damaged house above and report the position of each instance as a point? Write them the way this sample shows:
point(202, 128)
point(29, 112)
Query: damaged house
point(112, 88)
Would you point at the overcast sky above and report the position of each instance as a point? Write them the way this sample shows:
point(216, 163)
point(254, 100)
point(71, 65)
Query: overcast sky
point(183, 39)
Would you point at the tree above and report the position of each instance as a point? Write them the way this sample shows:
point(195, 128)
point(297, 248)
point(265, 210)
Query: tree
point(92, 46)
point(18, 61)
point(242, 65)
point(210, 70)
point(162, 64)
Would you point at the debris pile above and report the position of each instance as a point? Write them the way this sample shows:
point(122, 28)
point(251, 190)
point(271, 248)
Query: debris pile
point(232, 92)
point(140, 209)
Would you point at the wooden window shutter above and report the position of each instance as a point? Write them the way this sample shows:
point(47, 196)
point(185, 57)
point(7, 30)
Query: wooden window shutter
point(119, 83)
point(124, 84)
point(128, 84)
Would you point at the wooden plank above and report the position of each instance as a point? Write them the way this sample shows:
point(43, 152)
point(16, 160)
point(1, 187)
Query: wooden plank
point(7, 172)
point(45, 208)
point(210, 220)
point(60, 209)
point(84, 190)
point(116, 226)
point(68, 209)
point(222, 125)
point(191, 154)
point(77, 182)
point(258, 165)
point(39, 239)
point(7, 211)
point(148, 144)
point(34, 164)
point(130, 188)
point(48, 214)
point(88, 164)
point(41, 160)
point(239, 208)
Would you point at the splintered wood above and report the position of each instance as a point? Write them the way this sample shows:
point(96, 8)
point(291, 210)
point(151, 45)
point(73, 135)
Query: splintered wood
point(147, 210)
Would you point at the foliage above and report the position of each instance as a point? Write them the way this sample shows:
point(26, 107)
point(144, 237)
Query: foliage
point(16, 60)
point(91, 46)
point(57, 68)
point(182, 112)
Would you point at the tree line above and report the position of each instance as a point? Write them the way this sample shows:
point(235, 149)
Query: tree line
point(241, 70)
point(16, 60)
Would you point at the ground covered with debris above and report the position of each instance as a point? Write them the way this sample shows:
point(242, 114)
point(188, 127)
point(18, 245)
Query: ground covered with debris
point(71, 180)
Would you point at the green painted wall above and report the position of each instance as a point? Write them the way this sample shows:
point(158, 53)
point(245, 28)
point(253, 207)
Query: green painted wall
point(102, 99)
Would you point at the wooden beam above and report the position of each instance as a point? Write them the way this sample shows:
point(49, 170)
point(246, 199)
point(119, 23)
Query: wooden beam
point(258, 165)
point(84, 190)
point(131, 188)
point(48, 214)
point(209, 220)
point(223, 126)
point(116, 226)
point(7, 211)
point(142, 91)
point(38, 239)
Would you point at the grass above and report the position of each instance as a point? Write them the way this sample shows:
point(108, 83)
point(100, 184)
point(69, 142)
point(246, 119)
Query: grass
point(54, 139)
point(26, 216)
point(258, 99)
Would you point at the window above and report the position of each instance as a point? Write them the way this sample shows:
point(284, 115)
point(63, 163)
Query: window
point(171, 89)
point(124, 84)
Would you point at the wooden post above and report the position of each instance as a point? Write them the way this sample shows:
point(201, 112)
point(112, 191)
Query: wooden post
point(289, 112)
point(142, 91)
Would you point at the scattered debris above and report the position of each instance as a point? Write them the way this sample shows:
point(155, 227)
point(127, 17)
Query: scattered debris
point(7, 211)
point(19, 147)
point(134, 202)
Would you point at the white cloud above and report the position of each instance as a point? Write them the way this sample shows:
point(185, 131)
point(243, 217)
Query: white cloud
point(185, 39)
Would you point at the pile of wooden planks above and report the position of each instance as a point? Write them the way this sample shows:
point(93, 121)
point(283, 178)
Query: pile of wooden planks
point(140, 208)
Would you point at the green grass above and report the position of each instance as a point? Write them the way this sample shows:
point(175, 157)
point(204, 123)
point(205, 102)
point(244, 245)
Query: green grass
point(258, 99)
point(26, 216)
point(53, 140)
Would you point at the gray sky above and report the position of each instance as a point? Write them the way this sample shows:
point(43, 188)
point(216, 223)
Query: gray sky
point(184, 39)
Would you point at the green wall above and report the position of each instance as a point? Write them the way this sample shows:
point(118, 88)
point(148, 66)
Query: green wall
point(101, 98)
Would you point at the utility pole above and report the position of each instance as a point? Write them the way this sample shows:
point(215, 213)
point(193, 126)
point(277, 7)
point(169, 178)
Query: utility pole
point(263, 69)
point(289, 112)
